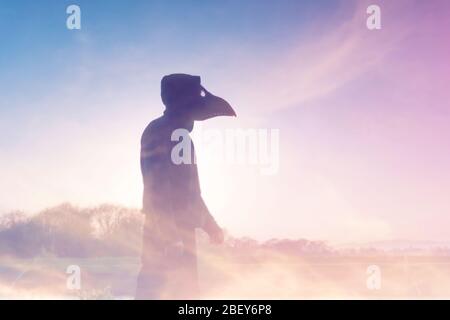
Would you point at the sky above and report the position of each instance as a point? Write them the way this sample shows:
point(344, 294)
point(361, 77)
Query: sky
point(362, 115)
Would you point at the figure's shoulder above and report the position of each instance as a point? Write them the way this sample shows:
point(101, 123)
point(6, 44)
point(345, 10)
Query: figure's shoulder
point(154, 130)
point(153, 126)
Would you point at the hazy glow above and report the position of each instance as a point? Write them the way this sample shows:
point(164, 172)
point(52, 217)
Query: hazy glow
point(363, 116)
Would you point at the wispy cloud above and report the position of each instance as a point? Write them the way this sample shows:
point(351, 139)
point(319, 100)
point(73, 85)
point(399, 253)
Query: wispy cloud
point(325, 62)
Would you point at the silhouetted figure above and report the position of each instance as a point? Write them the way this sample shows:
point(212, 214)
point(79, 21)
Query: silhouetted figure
point(172, 201)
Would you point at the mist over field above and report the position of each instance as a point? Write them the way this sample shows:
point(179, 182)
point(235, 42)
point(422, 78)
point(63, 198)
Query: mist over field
point(332, 181)
point(36, 253)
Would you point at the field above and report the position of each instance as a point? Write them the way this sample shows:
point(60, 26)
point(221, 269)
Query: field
point(275, 277)
point(105, 243)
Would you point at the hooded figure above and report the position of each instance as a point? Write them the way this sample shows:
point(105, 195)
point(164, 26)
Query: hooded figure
point(172, 200)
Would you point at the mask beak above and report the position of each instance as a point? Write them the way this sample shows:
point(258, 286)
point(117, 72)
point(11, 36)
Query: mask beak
point(212, 106)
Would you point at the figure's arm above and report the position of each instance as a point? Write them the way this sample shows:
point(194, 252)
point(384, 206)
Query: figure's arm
point(209, 224)
point(155, 170)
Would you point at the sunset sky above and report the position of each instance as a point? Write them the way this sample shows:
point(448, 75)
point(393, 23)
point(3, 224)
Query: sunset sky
point(363, 116)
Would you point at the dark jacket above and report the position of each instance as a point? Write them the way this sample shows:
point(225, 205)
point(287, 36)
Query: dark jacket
point(171, 191)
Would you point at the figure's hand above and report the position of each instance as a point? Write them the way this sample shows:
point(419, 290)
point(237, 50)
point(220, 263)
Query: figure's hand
point(210, 225)
point(214, 232)
point(217, 236)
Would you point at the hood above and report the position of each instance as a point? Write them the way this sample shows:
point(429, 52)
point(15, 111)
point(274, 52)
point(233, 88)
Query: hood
point(183, 94)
